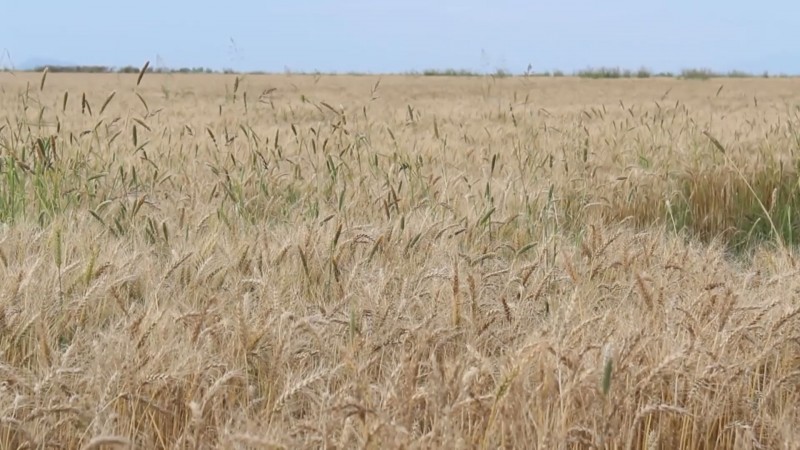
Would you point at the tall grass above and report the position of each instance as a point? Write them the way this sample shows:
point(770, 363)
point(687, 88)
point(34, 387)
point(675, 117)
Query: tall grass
point(364, 262)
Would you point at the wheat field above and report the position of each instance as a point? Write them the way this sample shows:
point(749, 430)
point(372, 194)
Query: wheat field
point(223, 261)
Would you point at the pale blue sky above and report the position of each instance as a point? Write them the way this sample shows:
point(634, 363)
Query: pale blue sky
point(396, 36)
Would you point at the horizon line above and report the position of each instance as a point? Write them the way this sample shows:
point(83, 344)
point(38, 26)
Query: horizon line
point(588, 72)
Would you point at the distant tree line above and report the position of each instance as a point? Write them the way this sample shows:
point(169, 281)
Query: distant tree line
point(591, 72)
point(126, 69)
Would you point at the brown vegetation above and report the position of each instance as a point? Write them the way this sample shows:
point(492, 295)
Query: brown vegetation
point(221, 261)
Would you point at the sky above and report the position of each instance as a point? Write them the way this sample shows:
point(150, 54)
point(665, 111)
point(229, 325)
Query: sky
point(383, 36)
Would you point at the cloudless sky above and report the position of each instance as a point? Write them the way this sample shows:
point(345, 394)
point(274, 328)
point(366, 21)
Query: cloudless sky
point(397, 36)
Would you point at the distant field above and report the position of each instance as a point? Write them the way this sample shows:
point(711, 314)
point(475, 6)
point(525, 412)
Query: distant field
point(206, 261)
